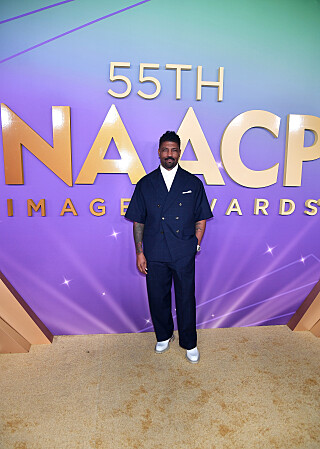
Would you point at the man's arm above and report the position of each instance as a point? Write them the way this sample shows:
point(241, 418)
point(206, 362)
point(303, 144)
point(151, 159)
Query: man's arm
point(200, 227)
point(138, 235)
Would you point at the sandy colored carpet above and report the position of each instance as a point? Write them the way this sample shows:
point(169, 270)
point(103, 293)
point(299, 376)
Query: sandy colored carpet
point(255, 387)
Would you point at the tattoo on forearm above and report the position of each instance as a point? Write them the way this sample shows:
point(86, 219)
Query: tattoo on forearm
point(199, 226)
point(138, 234)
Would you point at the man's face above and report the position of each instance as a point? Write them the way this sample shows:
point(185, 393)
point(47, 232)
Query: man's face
point(169, 153)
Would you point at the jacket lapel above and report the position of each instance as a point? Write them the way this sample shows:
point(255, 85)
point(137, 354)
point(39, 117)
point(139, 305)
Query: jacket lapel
point(176, 188)
point(160, 187)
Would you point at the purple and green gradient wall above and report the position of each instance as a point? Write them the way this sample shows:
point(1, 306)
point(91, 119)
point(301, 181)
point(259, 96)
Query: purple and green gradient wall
point(253, 269)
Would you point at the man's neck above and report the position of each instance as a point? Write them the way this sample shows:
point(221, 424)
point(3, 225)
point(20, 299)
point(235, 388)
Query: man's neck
point(170, 169)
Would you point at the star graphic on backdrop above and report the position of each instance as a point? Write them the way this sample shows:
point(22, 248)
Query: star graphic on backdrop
point(148, 321)
point(103, 293)
point(212, 315)
point(302, 259)
point(270, 249)
point(114, 234)
point(66, 282)
point(220, 165)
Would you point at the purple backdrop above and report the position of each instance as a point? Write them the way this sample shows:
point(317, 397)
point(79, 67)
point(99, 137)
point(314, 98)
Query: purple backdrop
point(78, 272)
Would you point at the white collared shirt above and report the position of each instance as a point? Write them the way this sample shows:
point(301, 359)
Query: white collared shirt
point(168, 175)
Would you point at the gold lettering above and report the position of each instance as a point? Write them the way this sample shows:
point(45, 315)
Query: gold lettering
point(16, 132)
point(124, 206)
point(260, 207)
point(32, 206)
point(123, 78)
point(151, 79)
point(10, 207)
point(95, 163)
point(218, 84)
point(234, 207)
point(178, 68)
point(230, 148)
point(296, 152)
point(283, 205)
point(101, 209)
point(213, 203)
point(68, 207)
point(313, 210)
point(205, 164)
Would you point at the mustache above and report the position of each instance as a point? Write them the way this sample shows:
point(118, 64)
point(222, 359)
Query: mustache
point(169, 159)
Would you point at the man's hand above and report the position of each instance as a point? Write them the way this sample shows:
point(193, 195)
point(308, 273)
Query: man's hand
point(142, 263)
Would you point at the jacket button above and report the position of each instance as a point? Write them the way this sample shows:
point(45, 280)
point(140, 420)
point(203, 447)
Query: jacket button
point(180, 204)
point(158, 205)
point(162, 218)
point(177, 230)
point(177, 218)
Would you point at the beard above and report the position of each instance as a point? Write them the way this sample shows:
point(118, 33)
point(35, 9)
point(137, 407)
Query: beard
point(169, 163)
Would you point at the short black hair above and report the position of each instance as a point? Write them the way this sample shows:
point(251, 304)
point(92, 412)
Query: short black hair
point(169, 136)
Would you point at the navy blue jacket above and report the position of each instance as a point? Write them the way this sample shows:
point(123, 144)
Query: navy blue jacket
point(169, 217)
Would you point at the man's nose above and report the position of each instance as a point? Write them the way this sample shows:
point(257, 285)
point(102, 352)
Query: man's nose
point(170, 152)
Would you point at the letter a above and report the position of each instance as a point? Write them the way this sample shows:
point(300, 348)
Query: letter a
point(205, 164)
point(95, 163)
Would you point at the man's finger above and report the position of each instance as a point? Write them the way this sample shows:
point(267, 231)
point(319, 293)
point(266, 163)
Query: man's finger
point(143, 268)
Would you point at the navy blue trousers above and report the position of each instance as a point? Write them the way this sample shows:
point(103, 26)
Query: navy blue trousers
point(159, 282)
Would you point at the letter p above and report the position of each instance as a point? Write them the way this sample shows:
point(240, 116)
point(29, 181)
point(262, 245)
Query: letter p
point(296, 152)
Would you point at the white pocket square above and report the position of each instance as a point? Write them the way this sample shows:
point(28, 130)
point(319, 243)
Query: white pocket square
point(188, 191)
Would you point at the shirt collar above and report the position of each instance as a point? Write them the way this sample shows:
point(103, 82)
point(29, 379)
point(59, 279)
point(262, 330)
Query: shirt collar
point(169, 173)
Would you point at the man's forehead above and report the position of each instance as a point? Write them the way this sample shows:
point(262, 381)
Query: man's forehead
point(169, 144)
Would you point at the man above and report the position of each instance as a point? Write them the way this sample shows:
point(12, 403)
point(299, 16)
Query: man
point(169, 209)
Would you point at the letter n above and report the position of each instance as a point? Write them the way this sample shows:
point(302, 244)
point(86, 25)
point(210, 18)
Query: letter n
point(15, 133)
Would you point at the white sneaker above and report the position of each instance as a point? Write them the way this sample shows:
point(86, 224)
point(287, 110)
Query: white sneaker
point(193, 355)
point(163, 346)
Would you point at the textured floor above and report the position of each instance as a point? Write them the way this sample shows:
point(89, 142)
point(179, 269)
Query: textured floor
point(254, 387)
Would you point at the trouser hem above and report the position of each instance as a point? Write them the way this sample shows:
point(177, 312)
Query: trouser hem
point(187, 347)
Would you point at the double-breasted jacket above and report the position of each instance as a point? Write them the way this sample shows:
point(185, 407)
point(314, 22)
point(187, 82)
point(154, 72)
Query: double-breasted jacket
point(169, 217)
